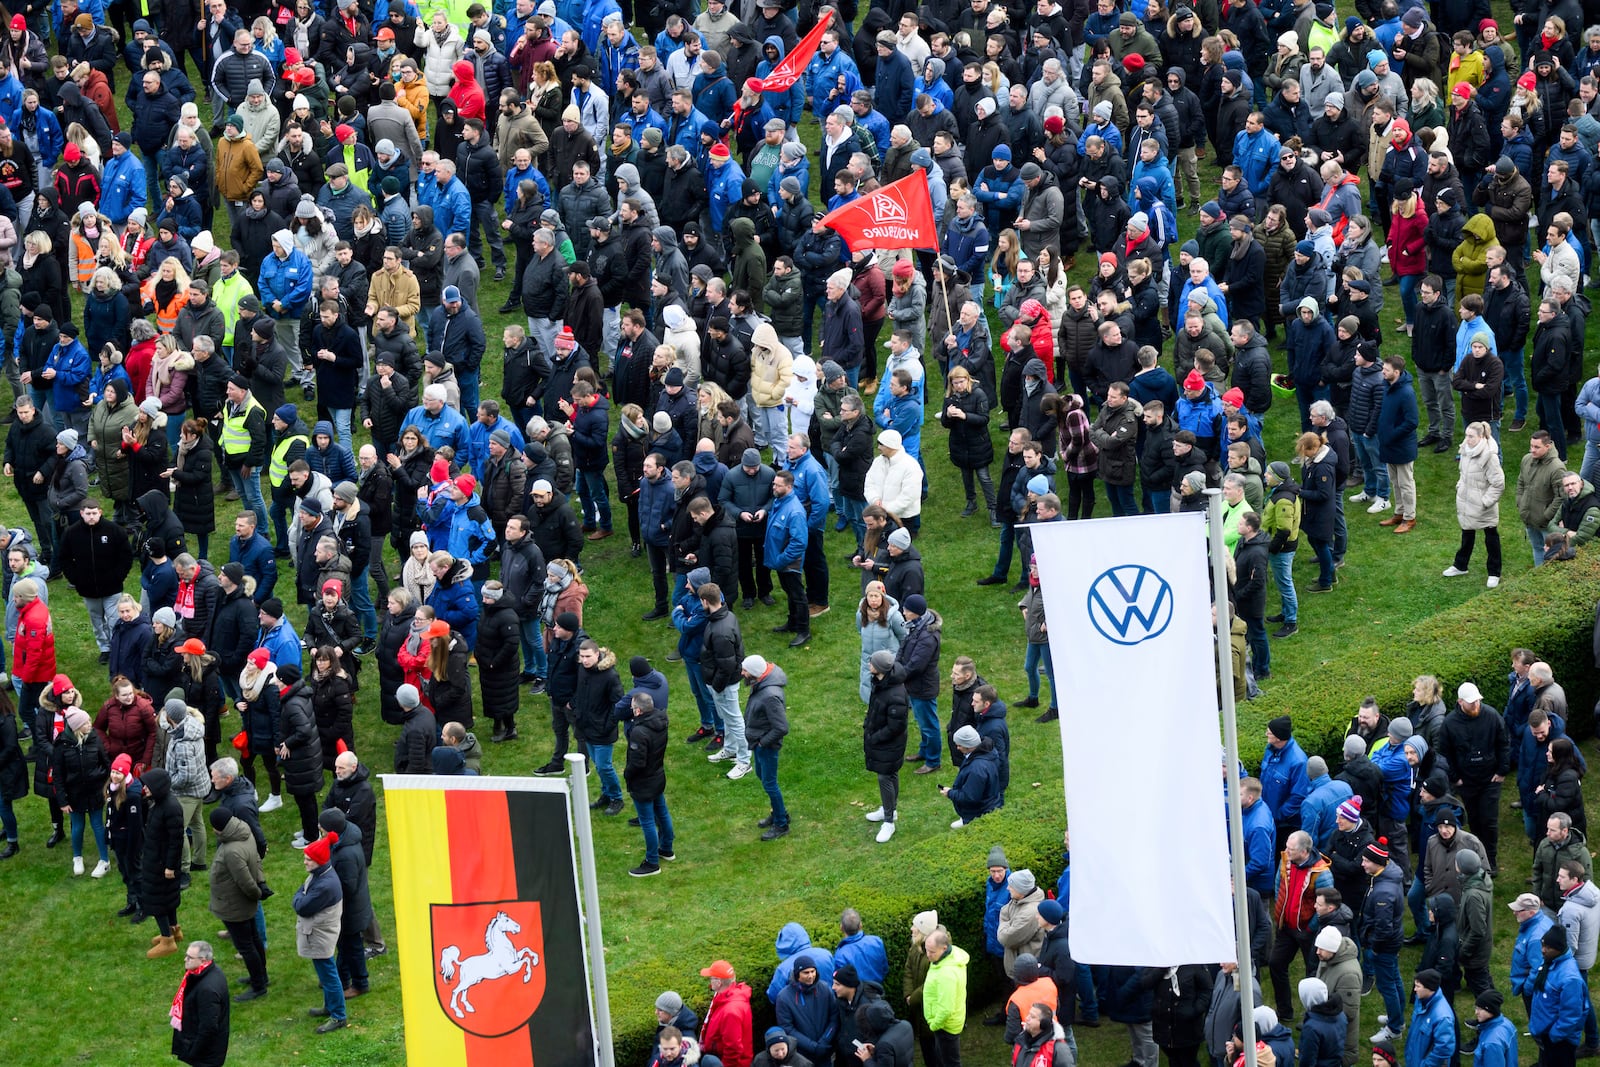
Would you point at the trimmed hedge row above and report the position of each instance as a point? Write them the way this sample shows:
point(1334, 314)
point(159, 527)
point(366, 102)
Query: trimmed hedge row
point(1550, 611)
point(944, 873)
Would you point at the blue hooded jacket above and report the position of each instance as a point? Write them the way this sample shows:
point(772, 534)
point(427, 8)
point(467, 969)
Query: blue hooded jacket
point(785, 545)
point(1558, 1008)
point(788, 105)
point(1320, 805)
point(809, 1014)
point(866, 954)
point(1527, 955)
point(1497, 1043)
point(122, 188)
point(793, 940)
point(822, 74)
point(457, 604)
point(71, 364)
point(724, 186)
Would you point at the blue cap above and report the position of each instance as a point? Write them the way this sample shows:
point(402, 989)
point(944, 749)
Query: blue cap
point(1038, 485)
point(452, 294)
point(1212, 208)
point(1306, 248)
point(1351, 23)
point(1375, 57)
point(775, 1034)
point(1002, 151)
point(288, 413)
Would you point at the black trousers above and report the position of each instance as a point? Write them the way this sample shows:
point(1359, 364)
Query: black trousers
point(1286, 944)
point(307, 803)
point(947, 1049)
point(1399, 846)
point(560, 722)
point(794, 588)
point(816, 568)
point(254, 953)
point(658, 574)
point(1557, 1054)
point(755, 578)
point(1482, 804)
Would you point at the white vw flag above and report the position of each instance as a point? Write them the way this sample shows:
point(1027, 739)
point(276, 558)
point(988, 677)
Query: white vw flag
point(1128, 606)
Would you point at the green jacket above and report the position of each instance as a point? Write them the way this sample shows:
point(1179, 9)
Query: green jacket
point(1282, 518)
point(1539, 490)
point(944, 994)
point(1231, 514)
point(226, 294)
point(1476, 925)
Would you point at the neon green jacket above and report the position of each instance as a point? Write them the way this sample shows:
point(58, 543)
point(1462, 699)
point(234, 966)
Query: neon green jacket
point(226, 294)
point(944, 994)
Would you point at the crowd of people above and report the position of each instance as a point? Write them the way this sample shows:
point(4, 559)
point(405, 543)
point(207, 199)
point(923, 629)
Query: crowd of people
point(661, 324)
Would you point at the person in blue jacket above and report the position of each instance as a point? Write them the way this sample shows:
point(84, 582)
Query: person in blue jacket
point(724, 184)
point(808, 1011)
point(966, 239)
point(1255, 152)
point(285, 285)
point(792, 942)
point(452, 204)
point(1526, 958)
point(1260, 838)
point(1497, 1035)
point(1431, 1038)
point(892, 83)
point(1560, 999)
point(457, 522)
point(1323, 796)
point(67, 368)
point(822, 73)
point(1284, 783)
point(863, 951)
point(440, 423)
point(996, 895)
point(976, 790)
point(454, 600)
point(277, 634)
point(123, 184)
point(787, 104)
point(784, 550)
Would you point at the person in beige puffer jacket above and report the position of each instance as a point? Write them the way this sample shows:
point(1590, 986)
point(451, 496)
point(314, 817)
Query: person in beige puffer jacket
point(771, 374)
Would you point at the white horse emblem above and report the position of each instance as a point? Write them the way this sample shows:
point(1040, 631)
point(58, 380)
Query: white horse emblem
point(502, 959)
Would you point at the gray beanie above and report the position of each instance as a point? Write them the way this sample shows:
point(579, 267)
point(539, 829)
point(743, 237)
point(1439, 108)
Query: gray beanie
point(750, 458)
point(175, 710)
point(1022, 881)
point(165, 617)
point(831, 370)
point(790, 186)
point(1316, 767)
point(1468, 862)
point(901, 539)
point(967, 737)
point(669, 1002)
point(1400, 730)
point(997, 855)
point(882, 661)
point(1354, 746)
point(407, 696)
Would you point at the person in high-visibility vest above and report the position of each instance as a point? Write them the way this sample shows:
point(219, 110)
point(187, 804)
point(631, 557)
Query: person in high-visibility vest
point(292, 440)
point(244, 443)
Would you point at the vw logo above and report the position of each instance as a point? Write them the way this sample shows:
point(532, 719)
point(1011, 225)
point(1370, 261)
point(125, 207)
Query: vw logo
point(1130, 604)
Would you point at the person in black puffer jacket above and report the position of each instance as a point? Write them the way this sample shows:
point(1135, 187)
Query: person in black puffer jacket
point(392, 630)
point(333, 703)
point(646, 774)
point(350, 864)
point(917, 664)
point(299, 749)
point(499, 655)
point(161, 858)
point(594, 715)
point(449, 690)
point(79, 768)
point(413, 749)
point(966, 416)
point(883, 737)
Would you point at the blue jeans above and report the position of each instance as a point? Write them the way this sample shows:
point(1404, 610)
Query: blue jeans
point(703, 701)
point(1121, 497)
point(1282, 564)
point(766, 764)
point(361, 600)
point(1409, 283)
point(1591, 461)
point(850, 509)
point(1385, 968)
point(927, 715)
point(1255, 635)
point(97, 822)
point(1341, 533)
point(484, 218)
point(656, 822)
point(1323, 549)
point(249, 490)
point(600, 756)
point(1306, 395)
point(1008, 544)
point(1536, 540)
point(534, 660)
point(1517, 381)
point(1417, 900)
point(1374, 472)
point(1039, 652)
point(341, 426)
point(8, 820)
point(596, 501)
point(468, 380)
point(332, 988)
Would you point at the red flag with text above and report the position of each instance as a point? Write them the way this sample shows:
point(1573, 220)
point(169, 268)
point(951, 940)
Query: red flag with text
point(789, 69)
point(899, 215)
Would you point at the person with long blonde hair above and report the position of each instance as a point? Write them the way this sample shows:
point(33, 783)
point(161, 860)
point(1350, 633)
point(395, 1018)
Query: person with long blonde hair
point(1003, 264)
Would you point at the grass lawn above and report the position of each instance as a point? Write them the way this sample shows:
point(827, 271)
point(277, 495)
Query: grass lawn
point(724, 875)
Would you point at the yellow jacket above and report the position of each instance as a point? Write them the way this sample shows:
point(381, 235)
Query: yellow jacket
point(944, 994)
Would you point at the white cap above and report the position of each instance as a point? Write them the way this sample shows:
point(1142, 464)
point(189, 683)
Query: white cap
point(1468, 693)
point(754, 665)
point(1329, 939)
point(891, 439)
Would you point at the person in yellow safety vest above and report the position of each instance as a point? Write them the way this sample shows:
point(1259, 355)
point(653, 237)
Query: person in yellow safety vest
point(244, 442)
point(292, 441)
point(230, 288)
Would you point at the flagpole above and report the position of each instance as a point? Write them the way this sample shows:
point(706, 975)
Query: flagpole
point(950, 320)
point(1230, 739)
point(578, 786)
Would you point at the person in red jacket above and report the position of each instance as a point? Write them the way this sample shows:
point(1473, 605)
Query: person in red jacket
point(726, 1033)
point(1407, 250)
point(34, 661)
point(466, 92)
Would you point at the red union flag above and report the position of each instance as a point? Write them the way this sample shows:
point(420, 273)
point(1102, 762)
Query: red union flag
point(899, 215)
point(789, 69)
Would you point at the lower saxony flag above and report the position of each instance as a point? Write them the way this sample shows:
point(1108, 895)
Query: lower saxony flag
point(493, 970)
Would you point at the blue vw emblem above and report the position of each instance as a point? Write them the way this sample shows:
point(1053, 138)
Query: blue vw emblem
point(1130, 604)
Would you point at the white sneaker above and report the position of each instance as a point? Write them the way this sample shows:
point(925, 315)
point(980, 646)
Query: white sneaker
point(1453, 571)
point(720, 755)
point(885, 832)
point(1494, 581)
point(77, 866)
point(958, 824)
point(1360, 498)
point(299, 841)
point(100, 869)
point(1383, 1021)
point(738, 771)
point(875, 816)
point(1383, 1034)
point(1380, 504)
point(274, 802)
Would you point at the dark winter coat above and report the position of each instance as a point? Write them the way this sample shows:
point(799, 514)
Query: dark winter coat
point(297, 729)
point(163, 844)
point(883, 732)
point(645, 771)
point(499, 654)
point(451, 696)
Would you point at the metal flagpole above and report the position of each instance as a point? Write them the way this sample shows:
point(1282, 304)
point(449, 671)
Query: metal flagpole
point(1230, 739)
point(578, 787)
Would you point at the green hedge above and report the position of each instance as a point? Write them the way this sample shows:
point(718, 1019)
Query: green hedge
point(1551, 611)
point(945, 874)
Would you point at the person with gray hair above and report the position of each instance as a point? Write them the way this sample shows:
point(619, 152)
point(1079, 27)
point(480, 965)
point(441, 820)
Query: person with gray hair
point(1301, 872)
point(201, 1022)
point(544, 292)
